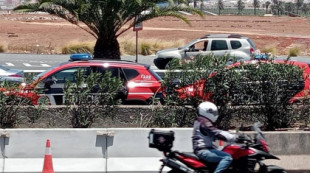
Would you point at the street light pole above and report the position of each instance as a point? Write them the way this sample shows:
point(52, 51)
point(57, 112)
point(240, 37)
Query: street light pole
point(137, 46)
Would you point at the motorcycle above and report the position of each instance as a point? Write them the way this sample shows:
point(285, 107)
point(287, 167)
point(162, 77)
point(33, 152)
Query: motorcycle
point(246, 154)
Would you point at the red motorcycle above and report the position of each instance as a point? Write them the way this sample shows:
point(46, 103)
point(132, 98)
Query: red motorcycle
point(246, 153)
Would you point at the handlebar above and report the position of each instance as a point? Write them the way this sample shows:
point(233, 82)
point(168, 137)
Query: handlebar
point(243, 138)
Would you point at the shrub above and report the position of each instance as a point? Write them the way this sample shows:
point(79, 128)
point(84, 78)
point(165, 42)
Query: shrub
point(267, 50)
point(146, 49)
point(83, 105)
point(172, 116)
point(10, 104)
point(84, 47)
point(244, 94)
point(2, 49)
point(302, 110)
point(295, 51)
point(268, 86)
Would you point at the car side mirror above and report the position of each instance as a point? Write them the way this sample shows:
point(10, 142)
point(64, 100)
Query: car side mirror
point(187, 49)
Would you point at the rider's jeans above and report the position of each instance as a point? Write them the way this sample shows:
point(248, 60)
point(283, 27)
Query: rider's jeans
point(214, 155)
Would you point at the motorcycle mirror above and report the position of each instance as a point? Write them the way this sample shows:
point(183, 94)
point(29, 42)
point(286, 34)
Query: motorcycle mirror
point(256, 126)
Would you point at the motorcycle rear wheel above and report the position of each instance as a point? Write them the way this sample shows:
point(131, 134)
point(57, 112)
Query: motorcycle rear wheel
point(175, 171)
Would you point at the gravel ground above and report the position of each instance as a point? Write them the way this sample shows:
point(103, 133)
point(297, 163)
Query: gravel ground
point(42, 30)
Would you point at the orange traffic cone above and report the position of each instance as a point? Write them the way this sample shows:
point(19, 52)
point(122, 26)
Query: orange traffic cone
point(220, 143)
point(48, 163)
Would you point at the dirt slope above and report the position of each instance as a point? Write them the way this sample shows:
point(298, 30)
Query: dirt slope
point(34, 31)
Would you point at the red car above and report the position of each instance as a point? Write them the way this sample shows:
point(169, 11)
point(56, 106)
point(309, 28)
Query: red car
point(141, 82)
point(197, 89)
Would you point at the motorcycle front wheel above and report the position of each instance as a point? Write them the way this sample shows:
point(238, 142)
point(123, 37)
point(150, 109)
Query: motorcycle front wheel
point(175, 171)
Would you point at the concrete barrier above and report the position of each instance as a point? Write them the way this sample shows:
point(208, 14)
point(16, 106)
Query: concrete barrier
point(121, 149)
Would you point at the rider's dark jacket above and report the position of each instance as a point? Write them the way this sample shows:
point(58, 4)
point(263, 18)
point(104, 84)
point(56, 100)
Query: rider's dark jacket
point(205, 133)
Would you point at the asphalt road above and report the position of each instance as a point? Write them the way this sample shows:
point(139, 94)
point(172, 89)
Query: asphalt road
point(43, 62)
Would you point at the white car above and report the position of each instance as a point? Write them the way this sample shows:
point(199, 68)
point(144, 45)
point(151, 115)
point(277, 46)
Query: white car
point(11, 75)
point(234, 45)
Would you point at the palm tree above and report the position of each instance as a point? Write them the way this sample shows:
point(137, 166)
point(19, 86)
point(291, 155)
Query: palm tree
point(281, 7)
point(289, 7)
point(267, 5)
point(299, 4)
point(256, 4)
point(305, 8)
point(220, 6)
point(240, 6)
point(106, 20)
point(278, 6)
point(195, 3)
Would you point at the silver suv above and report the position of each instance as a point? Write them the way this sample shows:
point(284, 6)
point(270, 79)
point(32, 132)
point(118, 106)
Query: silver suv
point(234, 45)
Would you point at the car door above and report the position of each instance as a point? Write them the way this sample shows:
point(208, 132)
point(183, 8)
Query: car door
point(117, 73)
point(198, 48)
point(54, 84)
point(143, 83)
point(219, 47)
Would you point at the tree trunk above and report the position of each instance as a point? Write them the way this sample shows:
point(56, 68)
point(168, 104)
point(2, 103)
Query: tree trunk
point(107, 49)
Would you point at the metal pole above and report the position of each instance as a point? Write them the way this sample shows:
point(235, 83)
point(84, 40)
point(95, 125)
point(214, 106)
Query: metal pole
point(136, 46)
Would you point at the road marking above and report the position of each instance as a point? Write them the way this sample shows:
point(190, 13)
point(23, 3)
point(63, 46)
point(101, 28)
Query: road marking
point(186, 13)
point(27, 65)
point(9, 64)
point(45, 65)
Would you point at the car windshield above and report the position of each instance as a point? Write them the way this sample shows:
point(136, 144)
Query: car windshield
point(191, 43)
point(46, 71)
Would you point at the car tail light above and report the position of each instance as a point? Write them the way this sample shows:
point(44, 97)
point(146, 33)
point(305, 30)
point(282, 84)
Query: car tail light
point(15, 75)
point(251, 50)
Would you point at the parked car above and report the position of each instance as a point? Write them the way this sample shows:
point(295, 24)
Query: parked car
point(299, 90)
point(139, 80)
point(234, 45)
point(11, 75)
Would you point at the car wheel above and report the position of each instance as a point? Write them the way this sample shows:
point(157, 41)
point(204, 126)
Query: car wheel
point(167, 66)
point(167, 63)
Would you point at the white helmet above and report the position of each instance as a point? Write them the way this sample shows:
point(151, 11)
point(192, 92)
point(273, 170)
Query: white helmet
point(208, 110)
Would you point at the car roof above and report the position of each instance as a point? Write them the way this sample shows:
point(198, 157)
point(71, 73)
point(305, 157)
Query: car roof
point(106, 62)
point(223, 36)
point(112, 62)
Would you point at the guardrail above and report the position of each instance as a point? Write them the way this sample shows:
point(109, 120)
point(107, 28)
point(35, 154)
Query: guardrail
point(121, 149)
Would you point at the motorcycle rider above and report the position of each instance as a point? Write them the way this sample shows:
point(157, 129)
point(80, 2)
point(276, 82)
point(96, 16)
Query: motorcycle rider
point(205, 133)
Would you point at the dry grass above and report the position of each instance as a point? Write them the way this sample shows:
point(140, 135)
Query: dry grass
point(267, 50)
point(295, 51)
point(38, 49)
point(78, 47)
point(127, 46)
point(146, 46)
point(2, 48)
